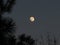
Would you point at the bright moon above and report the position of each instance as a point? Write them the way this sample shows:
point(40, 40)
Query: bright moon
point(32, 19)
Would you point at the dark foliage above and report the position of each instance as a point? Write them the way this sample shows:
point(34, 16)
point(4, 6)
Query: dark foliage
point(7, 26)
point(11, 40)
point(6, 7)
point(25, 40)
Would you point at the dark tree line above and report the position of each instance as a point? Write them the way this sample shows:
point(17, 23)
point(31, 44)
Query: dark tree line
point(7, 29)
point(49, 40)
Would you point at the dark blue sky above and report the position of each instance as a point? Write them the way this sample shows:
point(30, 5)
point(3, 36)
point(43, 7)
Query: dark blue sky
point(46, 12)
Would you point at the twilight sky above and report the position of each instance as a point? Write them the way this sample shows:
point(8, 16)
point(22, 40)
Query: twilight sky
point(46, 13)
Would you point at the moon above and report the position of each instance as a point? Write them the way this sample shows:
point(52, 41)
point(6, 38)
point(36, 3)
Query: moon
point(32, 19)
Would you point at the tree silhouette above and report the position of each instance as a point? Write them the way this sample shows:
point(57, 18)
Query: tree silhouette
point(25, 40)
point(11, 40)
point(49, 40)
point(6, 7)
point(7, 25)
point(42, 40)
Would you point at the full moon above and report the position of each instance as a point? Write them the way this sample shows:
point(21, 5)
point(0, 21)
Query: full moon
point(32, 19)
